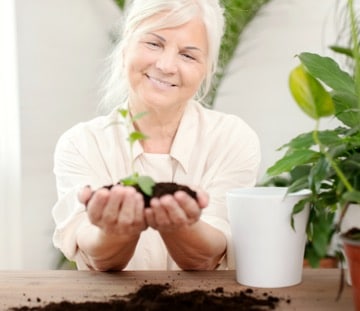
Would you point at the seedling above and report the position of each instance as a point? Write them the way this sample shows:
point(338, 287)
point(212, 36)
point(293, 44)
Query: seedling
point(145, 183)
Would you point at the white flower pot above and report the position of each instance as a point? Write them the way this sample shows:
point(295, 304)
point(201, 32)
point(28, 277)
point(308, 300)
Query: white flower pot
point(268, 252)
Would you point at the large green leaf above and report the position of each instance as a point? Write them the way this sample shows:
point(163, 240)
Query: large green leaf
point(309, 94)
point(346, 108)
point(292, 159)
point(328, 71)
point(306, 140)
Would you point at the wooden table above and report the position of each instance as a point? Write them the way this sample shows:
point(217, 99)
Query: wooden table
point(33, 288)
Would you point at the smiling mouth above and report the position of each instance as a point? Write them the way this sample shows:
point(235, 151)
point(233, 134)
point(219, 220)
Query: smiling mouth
point(160, 82)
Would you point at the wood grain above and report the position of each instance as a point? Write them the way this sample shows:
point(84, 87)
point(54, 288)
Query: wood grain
point(33, 288)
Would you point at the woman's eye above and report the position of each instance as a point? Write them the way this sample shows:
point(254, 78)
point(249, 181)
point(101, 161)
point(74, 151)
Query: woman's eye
point(152, 44)
point(188, 56)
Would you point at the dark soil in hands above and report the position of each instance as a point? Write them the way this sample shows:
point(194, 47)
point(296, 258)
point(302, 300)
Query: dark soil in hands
point(163, 188)
point(160, 297)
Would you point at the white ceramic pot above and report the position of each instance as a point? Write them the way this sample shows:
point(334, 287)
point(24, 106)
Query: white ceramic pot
point(268, 252)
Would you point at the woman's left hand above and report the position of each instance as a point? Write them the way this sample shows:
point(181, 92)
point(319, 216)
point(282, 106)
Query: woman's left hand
point(172, 212)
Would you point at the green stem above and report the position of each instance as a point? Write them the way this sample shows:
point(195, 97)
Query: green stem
point(330, 159)
point(128, 122)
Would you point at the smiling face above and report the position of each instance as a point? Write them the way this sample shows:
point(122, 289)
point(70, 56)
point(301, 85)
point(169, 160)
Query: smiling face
point(166, 67)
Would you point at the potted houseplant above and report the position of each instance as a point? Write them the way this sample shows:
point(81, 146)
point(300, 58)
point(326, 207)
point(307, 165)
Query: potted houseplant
point(322, 89)
point(319, 252)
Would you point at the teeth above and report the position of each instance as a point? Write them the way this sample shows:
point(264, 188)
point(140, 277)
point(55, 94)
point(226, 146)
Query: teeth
point(161, 82)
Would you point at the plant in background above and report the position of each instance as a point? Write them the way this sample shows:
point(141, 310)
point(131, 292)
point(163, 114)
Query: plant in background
point(237, 13)
point(329, 159)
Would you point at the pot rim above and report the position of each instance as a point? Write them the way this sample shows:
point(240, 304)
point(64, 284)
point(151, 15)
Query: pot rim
point(350, 241)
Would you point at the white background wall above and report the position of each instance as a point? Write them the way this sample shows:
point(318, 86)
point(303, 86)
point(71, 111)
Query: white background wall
point(62, 45)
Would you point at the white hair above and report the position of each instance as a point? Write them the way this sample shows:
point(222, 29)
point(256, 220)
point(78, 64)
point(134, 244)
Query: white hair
point(178, 12)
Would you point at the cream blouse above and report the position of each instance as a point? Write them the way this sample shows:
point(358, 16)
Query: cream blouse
point(211, 150)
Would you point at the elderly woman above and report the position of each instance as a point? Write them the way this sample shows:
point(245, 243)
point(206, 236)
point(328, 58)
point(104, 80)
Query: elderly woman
point(163, 64)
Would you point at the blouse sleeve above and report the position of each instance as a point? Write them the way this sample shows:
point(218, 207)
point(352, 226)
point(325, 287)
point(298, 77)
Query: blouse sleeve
point(72, 171)
point(234, 164)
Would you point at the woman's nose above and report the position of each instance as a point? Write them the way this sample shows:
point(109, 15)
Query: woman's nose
point(167, 62)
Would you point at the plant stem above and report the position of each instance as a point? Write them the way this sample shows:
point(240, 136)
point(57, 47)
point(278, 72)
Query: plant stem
point(330, 159)
point(128, 123)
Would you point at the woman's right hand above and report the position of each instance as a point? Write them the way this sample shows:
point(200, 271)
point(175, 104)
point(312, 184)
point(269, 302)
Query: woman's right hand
point(118, 211)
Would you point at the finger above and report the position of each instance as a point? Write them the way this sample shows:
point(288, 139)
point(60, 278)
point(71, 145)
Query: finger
point(112, 208)
point(202, 199)
point(189, 205)
point(97, 204)
point(160, 210)
point(139, 218)
point(127, 214)
point(175, 212)
point(84, 195)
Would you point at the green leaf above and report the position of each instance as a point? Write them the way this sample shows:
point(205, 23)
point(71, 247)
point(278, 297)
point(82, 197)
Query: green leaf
point(331, 137)
point(312, 256)
point(292, 159)
point(346, 108)
point(131, 180)
point(146, 184)
point(352, 196)
point(323, 227)
point(342, 50)
point(134, 136)
point(305, 141)
point(328, 71)
point(318, 173)
point(300, 171)
point(299, 184)
point(120, 3)
point(298, 207)
point(309, 94)
point(123, 112)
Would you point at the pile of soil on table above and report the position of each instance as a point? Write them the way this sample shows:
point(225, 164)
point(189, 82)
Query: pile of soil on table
point(160, 297)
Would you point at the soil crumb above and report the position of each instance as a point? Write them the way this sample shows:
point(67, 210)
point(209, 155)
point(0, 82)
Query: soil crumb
point(161, 297)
